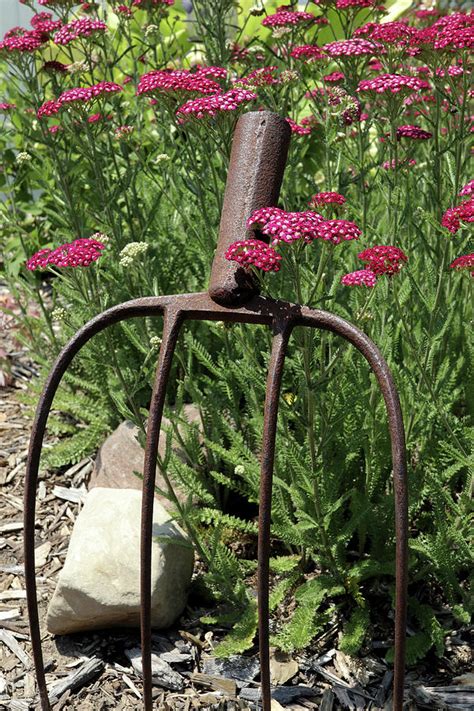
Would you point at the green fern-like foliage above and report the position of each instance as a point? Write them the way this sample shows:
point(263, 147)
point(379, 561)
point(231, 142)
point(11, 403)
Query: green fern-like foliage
point(355, 631)
point(241, 637)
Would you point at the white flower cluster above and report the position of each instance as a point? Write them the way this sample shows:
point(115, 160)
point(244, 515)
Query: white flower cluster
point(131, 251)
point(155, 343)
point(23, 157)
point(58, 314)
point(161, 158)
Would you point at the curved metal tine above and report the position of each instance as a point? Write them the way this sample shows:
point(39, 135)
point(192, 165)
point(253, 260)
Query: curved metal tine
point(380, 368)
point(384, 377)
point(171, 328)
point(96, 325)
point(282, 331)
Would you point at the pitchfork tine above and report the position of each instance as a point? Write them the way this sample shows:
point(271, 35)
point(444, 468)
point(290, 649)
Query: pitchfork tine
point(171, 327)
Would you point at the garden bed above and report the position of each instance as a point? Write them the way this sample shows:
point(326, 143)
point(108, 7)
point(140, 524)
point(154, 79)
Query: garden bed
point(104, 677)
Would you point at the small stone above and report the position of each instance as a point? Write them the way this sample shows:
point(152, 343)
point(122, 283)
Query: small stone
point(234, 667)
point(162, 674)
point(98, 586)
point(121, 455)
point(282, 667)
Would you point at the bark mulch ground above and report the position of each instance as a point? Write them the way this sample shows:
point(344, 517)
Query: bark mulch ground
point(99, 671)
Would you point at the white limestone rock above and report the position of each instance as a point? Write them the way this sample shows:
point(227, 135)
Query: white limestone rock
point(99, 584)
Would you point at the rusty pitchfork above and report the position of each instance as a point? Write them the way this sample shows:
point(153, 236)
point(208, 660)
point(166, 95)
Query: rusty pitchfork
point(257, 163)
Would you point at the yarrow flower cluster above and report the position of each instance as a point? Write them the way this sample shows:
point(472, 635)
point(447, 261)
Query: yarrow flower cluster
point(79, 253)
point(321, 199)
point(254, 253)
point(43, 22)
point(286, 17)
point(152, 4)
point(5, 106)
point(397, 33)
point(213, 105)
point(308, 51)
point(361, 277)
point(22, 41)
point(176, 80)
point(453, 217)
point(282, 226)
point(298, 129)
point(352, 48)
point(402, 163)
point(131, 251)
point(263, 76)
point(56, 3)
point(468, 189)
point(79, 95)
point(392, 83)
point(414, 132)
point(383, 259)
point(379, 260)
point(348, 4)
point(85, 27)
point(466, 261)
point(334, 77)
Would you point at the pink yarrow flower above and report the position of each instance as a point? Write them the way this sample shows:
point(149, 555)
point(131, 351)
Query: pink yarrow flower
point(282, 226)
point(43, 22)
point(349, 4)
point(152, 4)
point(79, 253)
point(5, 106)
point(286, 17)
point(383, 259)
point(298, 129)
point(57, 3)
point(210, 71)
point(321, 199)
point(362, 277)
point(453, 217)
point(310, 52)
point(210, 106)
point(392, 83)
point(263, 76)
point(336, 231)
point(85, 27)
point(468, 189)
point(466, 261)
point(171, 81)
point(396, 33)
point(414, 132)
point(402, 163)
point(353, 48)
point(79, 95)
point(334, 77)
point(254, 253)
point(22, 41)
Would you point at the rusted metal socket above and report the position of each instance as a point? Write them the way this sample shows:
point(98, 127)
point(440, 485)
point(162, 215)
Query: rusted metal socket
point(257, 163)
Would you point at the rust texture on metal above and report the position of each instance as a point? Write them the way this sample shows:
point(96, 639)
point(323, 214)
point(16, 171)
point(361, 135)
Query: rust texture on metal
point(227, 301)
point(257, 164)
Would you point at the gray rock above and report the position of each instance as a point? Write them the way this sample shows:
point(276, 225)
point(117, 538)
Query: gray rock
point(282, 694)
point(234, 667)
point(162, 674)
point(99, 584)
point(121, 455)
